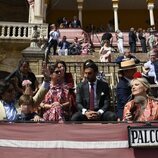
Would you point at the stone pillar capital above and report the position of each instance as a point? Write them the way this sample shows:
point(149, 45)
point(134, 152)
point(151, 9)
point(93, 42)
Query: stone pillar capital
point(150, 6)
point(115, 4)
point(80, 7)
point(80, 1)
point(150, 1)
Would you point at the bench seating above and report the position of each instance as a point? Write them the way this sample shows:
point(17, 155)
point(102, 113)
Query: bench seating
point(96, 37)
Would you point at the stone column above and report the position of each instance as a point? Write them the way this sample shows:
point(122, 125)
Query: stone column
point(80, 7)
point(115, 8)
point(36, 11)
point(151, 13)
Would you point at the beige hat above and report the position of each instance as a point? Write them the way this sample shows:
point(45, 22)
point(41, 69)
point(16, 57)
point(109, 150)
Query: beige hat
point(128, 64)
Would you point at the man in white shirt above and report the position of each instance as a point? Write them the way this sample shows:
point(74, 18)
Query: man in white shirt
point(54, 36)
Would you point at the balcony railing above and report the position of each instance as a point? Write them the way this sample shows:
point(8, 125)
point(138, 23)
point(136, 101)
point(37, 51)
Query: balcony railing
point(22, 31)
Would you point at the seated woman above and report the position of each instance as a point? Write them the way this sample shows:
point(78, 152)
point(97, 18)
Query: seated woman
point(65, 77)
point(57, 101)
point(24, 73)
point(105, 52)
point(60, 99)
point(141, 107)
point(85, 47)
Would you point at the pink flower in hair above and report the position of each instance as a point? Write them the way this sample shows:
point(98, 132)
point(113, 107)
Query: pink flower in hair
point(26, 82)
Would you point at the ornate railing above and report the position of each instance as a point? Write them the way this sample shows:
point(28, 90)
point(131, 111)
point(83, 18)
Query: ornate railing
point(22, 31)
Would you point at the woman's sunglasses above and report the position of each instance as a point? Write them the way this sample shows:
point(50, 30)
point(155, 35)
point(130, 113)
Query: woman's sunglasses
point(57, 72)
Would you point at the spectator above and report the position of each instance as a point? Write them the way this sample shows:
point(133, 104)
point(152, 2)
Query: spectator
point(132, 40)
point(151, 64)
point(105, 52)
point(142, 38)
point(75, 47)
point(9, 107)
point(24, 73)
point(85, 47)
point(93, 97)
point(65, 77)
point(107, 36)
point(151, 40)
point(141, 107)
point(123, 89)
point(27, 113)
point(56, 99)
point(119, 37)
point(126, 56)
point(75, 23)
point(54, 36)
point(63, 46)
point(64, 23)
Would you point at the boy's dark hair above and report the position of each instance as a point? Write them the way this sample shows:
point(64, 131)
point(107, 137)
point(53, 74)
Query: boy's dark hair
point(90, 64)
point(26, 99)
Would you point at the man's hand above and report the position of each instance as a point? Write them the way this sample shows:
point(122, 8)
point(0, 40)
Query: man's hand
point(92, 115)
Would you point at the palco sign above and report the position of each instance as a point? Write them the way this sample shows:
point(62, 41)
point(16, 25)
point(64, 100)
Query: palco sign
point(145, 136)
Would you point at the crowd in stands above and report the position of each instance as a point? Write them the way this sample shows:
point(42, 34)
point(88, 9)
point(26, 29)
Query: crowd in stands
point(58, 99)
point(57, 44)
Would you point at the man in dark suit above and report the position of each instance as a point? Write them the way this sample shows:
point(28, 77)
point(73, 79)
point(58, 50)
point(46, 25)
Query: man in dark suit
point(127, 56)
point(132, 40)
point(123, 89)
point(63, 46)
point(95, 109)
point(75, 23)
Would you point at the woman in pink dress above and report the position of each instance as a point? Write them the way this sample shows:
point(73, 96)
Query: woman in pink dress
point(58, 102)
point(141, 107)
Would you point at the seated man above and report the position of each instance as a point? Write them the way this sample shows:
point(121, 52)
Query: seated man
point(123, 89)
point(63, 46)
point(150, 66)
point(75, 47)
point(126, 56)
point(150, 70)
point(92, 97)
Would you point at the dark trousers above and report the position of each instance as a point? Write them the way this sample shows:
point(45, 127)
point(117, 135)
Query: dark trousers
point(143, 44)
point(53, 43)
point(132, 47)
point(106, 116)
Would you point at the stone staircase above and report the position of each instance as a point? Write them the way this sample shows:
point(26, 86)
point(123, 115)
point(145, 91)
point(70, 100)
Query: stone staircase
point(95, 57)
point(10, 54)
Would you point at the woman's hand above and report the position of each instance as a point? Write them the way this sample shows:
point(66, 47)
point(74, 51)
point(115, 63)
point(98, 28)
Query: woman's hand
point(128, 116)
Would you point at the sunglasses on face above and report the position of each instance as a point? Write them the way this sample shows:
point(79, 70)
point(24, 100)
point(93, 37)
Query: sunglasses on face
point(57, 72)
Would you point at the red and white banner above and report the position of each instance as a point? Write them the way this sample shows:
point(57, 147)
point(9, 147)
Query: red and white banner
point(46, 140)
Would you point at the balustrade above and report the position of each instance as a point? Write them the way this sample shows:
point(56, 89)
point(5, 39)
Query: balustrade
point(22, 31)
